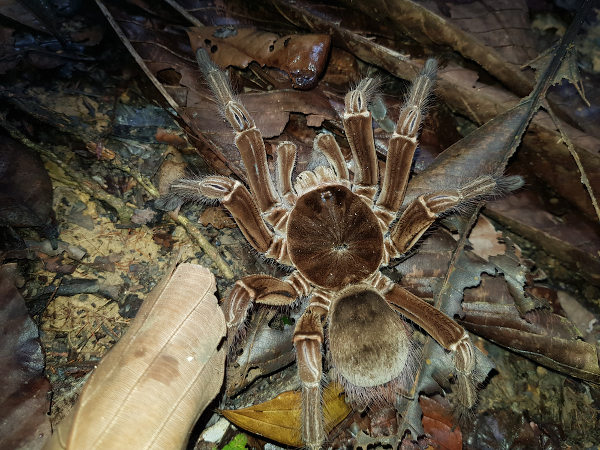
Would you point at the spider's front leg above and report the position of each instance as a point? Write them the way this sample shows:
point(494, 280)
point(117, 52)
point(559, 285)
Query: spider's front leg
point(247, 139)
point(403, 143)
point(261, 289)
point(308, 339)
point(449, 334)
point(359, 132)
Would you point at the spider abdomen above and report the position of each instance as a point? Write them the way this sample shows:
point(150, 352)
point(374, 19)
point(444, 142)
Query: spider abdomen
point(368, 342)
point(334, 238)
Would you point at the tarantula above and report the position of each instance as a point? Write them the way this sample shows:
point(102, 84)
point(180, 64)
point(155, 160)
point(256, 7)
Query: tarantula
point(336, 232)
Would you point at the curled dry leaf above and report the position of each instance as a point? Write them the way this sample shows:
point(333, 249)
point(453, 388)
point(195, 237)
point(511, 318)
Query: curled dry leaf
point(303, 57)
point(149, 390)
point(547, 338)
point(279, 419)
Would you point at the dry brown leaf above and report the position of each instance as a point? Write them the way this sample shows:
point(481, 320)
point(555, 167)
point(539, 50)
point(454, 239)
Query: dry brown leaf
point(438, 423)
point(303, 57)
point(279, 419)
point(25, 189)
point(24, 401)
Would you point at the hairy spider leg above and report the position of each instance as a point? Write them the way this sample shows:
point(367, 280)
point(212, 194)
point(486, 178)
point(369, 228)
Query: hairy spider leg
point(403, 143)
point(262, 289)
point(326, 144)
point(286, 159)
point(308, 340)
point(247, 139)
point(425, 209)
point(359, 132)
point(446, 332)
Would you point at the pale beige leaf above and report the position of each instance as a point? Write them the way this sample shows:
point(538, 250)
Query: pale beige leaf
point(149, 390)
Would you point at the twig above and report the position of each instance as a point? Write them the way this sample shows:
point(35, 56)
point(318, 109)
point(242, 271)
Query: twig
point(584, 178)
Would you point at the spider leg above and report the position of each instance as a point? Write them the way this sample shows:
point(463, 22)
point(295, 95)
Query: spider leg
point(359, 132)
point(286, 158)
point(402, 144)
point(308, 339)
point(262, 289)
point(445, 331)
point(425, 209)
point(326, 144)
point(236, 198)
point(247, 139)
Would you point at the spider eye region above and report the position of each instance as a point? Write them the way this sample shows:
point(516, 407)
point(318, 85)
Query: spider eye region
point(334, 238)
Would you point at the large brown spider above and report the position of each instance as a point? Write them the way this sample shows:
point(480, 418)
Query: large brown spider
point(337, 232)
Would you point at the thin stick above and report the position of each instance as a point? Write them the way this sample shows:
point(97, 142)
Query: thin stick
point(584, 178)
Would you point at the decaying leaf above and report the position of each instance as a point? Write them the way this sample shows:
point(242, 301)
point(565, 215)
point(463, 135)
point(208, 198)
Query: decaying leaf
point(24, 401)
point(149, 390)
point(25, 189)
point(438, 423)
point(541, 335)
point(303, 57)
point(264, 350)
point(279, 419)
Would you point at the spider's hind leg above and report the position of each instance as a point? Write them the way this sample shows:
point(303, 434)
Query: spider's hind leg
point(449, 334)
point(308, 339)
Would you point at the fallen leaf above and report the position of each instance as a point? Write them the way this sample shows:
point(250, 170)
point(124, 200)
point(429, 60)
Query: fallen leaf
point(149, 390)
point(25, 189)
point(24, 401)
point(302, 56)
point(217, 217)
point(279, 419)
point(438, 423)
point(485, 239)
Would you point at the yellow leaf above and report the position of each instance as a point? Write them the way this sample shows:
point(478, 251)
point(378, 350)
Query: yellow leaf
point(279, 419)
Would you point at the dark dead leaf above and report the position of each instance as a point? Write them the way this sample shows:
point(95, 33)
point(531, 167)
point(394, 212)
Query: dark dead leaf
point(18, 12)
point(24, 423)
point(25, 189)
point(570, 237)
point(438, 423)
point(279, 419)
point(467, 32)
point(264, 351)
point(567, 71)
point(541, 335)
point(303, 57)
point(500, 25)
